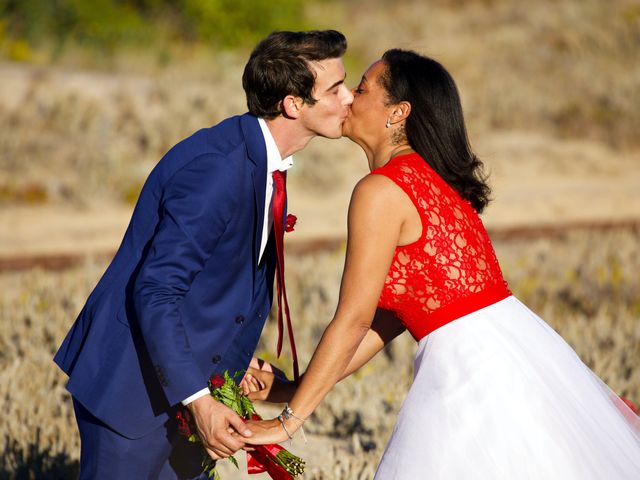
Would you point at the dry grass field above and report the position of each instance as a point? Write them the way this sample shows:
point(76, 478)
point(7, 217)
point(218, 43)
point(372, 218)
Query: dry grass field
point(550, 91)
point(584, 283)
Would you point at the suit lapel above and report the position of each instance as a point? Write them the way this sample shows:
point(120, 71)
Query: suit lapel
point(257, 153)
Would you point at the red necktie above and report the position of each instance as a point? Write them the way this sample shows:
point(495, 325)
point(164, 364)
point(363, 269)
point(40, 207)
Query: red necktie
point(279, 197)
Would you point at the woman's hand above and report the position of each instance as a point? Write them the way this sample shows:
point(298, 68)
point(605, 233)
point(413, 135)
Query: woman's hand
point(265, 432)
point(250, 383)
point(267, 386)
point(259, 380)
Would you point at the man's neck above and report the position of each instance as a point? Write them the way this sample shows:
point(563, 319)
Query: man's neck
point(289, 136)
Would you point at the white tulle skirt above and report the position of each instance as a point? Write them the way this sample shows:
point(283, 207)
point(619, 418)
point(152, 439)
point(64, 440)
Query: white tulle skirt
point(498, 394)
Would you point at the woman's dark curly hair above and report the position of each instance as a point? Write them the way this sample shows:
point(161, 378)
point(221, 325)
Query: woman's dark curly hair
point(435, 127)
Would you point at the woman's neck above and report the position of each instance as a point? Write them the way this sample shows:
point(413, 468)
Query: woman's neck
point(378, 158)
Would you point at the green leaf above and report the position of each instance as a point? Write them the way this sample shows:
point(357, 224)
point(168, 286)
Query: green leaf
point(210, 469)
point(247, 406)
point(233, 460)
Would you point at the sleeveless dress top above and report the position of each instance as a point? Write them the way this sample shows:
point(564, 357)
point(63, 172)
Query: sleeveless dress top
point(452, 269)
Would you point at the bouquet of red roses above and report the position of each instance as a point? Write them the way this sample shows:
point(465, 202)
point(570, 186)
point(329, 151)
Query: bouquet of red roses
point(278, 462)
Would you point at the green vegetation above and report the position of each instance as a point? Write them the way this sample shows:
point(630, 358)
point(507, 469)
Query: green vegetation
point(112, 24)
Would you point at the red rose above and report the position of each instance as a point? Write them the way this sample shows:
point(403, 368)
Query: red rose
point(291, 222)
point(216, 381)
point(184, 418)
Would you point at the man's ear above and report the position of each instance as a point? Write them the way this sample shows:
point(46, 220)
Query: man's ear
point(291, 106)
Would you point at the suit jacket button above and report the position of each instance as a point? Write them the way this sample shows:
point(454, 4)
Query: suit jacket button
point(239, 319)
point(216, 359)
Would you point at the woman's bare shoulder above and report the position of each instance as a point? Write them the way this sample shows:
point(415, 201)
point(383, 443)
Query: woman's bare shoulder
point(379, 192)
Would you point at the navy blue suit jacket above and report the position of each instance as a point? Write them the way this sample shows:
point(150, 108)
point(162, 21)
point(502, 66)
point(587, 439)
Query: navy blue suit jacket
point(184, 296)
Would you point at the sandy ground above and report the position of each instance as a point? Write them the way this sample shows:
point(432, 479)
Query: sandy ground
point(537, 181)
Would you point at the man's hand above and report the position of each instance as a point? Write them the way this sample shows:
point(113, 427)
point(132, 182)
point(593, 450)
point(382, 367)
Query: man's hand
point(216, 425)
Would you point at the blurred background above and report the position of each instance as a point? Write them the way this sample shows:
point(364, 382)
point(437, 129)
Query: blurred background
point(93, 93)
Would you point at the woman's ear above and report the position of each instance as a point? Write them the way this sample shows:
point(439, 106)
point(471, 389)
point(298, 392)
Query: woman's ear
point(400, 112)
point(291, 106)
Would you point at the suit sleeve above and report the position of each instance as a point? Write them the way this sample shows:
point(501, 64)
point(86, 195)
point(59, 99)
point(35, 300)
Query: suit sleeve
point(197, 206)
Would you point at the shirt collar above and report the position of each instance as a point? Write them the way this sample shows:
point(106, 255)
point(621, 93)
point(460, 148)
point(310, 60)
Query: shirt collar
point(274, 160)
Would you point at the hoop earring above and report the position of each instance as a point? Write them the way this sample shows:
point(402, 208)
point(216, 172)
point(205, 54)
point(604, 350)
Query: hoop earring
point(388, 124)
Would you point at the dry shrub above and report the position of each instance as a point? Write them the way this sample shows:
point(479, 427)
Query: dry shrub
point(31, 193)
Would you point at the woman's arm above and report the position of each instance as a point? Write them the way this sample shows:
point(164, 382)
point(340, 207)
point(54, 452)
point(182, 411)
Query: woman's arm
point(384, 328)
point(266, 386)
point(375, 221)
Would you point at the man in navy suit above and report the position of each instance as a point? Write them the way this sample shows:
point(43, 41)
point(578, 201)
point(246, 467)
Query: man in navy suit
point(190, 287)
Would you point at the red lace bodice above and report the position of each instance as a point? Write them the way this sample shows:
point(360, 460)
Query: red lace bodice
point(452, 269)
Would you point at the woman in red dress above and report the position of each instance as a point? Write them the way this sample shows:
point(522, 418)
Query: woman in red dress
point(419, 258)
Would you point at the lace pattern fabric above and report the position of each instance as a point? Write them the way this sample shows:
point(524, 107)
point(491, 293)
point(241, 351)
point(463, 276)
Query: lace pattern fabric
point(452, 262)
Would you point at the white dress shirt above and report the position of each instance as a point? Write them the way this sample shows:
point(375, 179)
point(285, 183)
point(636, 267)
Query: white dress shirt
point(274, 162)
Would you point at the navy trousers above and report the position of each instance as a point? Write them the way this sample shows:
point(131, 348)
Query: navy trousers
point(106, 455)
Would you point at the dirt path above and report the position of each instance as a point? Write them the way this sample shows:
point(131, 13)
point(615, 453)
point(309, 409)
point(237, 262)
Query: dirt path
point(540, 184)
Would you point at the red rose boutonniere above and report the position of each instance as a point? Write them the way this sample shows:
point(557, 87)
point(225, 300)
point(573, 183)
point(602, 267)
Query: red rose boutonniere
point(291, 222)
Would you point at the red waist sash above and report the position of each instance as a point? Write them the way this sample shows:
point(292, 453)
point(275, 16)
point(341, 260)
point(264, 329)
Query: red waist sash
point(458, 309)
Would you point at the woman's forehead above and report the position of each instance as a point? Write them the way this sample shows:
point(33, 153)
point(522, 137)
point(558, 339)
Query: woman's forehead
point(373, 71)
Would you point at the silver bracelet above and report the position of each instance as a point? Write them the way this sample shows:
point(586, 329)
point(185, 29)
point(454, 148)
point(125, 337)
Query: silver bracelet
point(286, 414)
point(284, 426)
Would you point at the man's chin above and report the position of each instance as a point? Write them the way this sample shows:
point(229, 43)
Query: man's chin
point(332, 135)
point(338, 132)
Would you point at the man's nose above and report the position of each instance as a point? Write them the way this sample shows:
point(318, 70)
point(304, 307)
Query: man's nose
point(348, 97)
